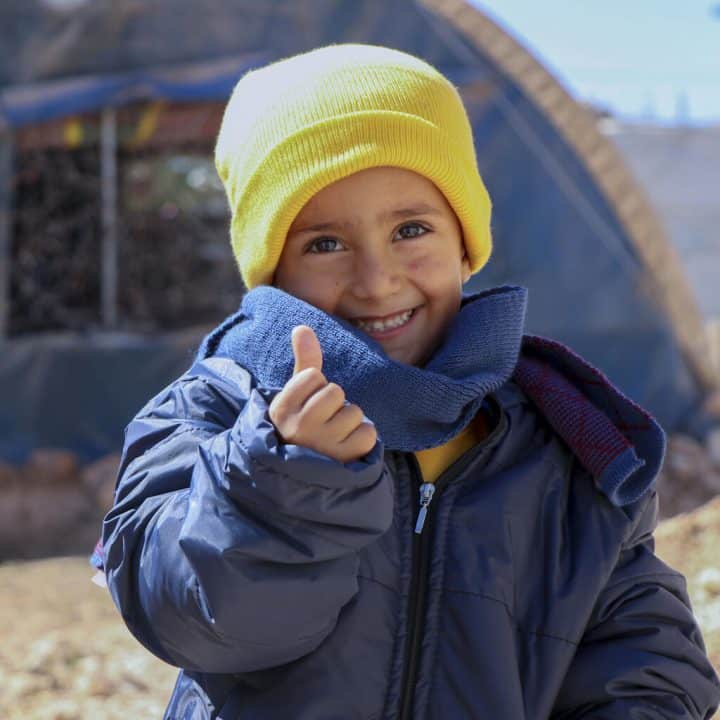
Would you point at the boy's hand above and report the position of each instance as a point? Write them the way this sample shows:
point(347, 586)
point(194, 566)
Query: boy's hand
point(312, 412)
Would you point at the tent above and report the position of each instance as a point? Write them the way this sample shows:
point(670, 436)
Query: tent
point(569, 221)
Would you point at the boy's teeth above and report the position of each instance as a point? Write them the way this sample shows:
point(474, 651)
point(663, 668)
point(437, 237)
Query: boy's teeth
point(388, 324)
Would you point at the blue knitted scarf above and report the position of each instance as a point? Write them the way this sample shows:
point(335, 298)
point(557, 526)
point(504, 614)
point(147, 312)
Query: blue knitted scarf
point(416, 408)
point(413, 408)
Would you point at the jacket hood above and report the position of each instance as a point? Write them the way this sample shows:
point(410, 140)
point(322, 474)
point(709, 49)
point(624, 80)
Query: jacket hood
point(617, 442)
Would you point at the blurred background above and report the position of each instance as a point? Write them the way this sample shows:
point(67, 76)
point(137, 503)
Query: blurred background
point(597, 131)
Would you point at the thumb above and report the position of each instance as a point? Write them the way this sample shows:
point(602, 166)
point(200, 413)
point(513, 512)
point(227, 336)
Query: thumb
point(306, 349)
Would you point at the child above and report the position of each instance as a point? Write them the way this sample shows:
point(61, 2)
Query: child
point(371, 496)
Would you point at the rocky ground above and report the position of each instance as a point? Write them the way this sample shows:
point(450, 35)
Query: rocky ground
point(66, 655)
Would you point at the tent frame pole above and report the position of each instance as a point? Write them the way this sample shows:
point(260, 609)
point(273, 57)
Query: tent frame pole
point(6, 225)
point(109, 200)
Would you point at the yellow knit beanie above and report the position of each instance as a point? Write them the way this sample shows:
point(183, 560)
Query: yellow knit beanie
point(297, 125)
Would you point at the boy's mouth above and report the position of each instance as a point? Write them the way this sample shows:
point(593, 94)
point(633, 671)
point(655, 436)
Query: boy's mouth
point(385, 324)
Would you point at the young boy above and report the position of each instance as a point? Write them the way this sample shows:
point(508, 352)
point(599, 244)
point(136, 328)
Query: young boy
point(371, 496)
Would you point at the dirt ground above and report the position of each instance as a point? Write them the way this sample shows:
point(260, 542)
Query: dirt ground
point(65, 654)
point(691, 543)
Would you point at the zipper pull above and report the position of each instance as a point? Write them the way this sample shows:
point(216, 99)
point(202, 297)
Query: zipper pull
point(427, 490)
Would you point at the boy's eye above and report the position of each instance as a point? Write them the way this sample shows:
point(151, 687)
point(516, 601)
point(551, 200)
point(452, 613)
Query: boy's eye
point(411, 230)
point(324, 245)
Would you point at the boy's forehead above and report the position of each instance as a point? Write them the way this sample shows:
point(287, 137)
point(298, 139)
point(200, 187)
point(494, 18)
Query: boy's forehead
point(377, 195)
point(317, 219)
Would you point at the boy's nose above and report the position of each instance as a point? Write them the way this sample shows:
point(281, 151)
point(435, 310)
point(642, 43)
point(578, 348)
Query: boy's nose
point(376, 276)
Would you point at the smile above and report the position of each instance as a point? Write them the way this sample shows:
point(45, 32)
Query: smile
point(389, 322)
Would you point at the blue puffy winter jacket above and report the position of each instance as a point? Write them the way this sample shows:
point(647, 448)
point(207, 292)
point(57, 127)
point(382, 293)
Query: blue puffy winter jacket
point(286, 585)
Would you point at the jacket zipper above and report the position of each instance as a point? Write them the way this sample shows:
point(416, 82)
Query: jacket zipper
point(420, 558)
point(422, 535)
point(418, 584)
point(427, 490)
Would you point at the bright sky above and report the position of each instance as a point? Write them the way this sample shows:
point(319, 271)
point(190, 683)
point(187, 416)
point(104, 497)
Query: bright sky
point(643, 59)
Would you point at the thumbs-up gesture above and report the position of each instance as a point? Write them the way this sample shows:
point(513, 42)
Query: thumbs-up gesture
point(312, 412)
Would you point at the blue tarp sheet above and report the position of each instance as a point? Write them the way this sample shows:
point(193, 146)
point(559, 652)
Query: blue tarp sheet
point(67, 391)
point(199, 82)
point(554, 232)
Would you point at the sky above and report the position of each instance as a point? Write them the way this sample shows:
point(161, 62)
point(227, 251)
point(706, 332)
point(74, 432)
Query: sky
point(641, 59)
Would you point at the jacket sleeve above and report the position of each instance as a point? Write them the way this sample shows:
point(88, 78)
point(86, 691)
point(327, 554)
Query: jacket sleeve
point(642, 656)
point(227, 551)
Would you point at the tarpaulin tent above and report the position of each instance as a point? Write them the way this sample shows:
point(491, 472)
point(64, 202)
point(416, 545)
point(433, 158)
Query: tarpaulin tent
point(569, 222)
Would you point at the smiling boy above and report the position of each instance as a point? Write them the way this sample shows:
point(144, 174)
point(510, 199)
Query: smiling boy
point(382, 249)
point(372, 496)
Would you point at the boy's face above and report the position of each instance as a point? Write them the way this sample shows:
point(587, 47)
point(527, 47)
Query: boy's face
point(382, 249)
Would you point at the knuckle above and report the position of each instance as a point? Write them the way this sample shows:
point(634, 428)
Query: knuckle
point(369, 434)
point(362, 439)
point(355, 414)
point(308, 380)
point(305, 419)
point(335, 392)
point(313, 376)
point(291, 430)
point(278, 412)
point(284, 420)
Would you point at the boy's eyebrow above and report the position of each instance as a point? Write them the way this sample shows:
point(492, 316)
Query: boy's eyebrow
point(419, 209)
point(397, 214)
